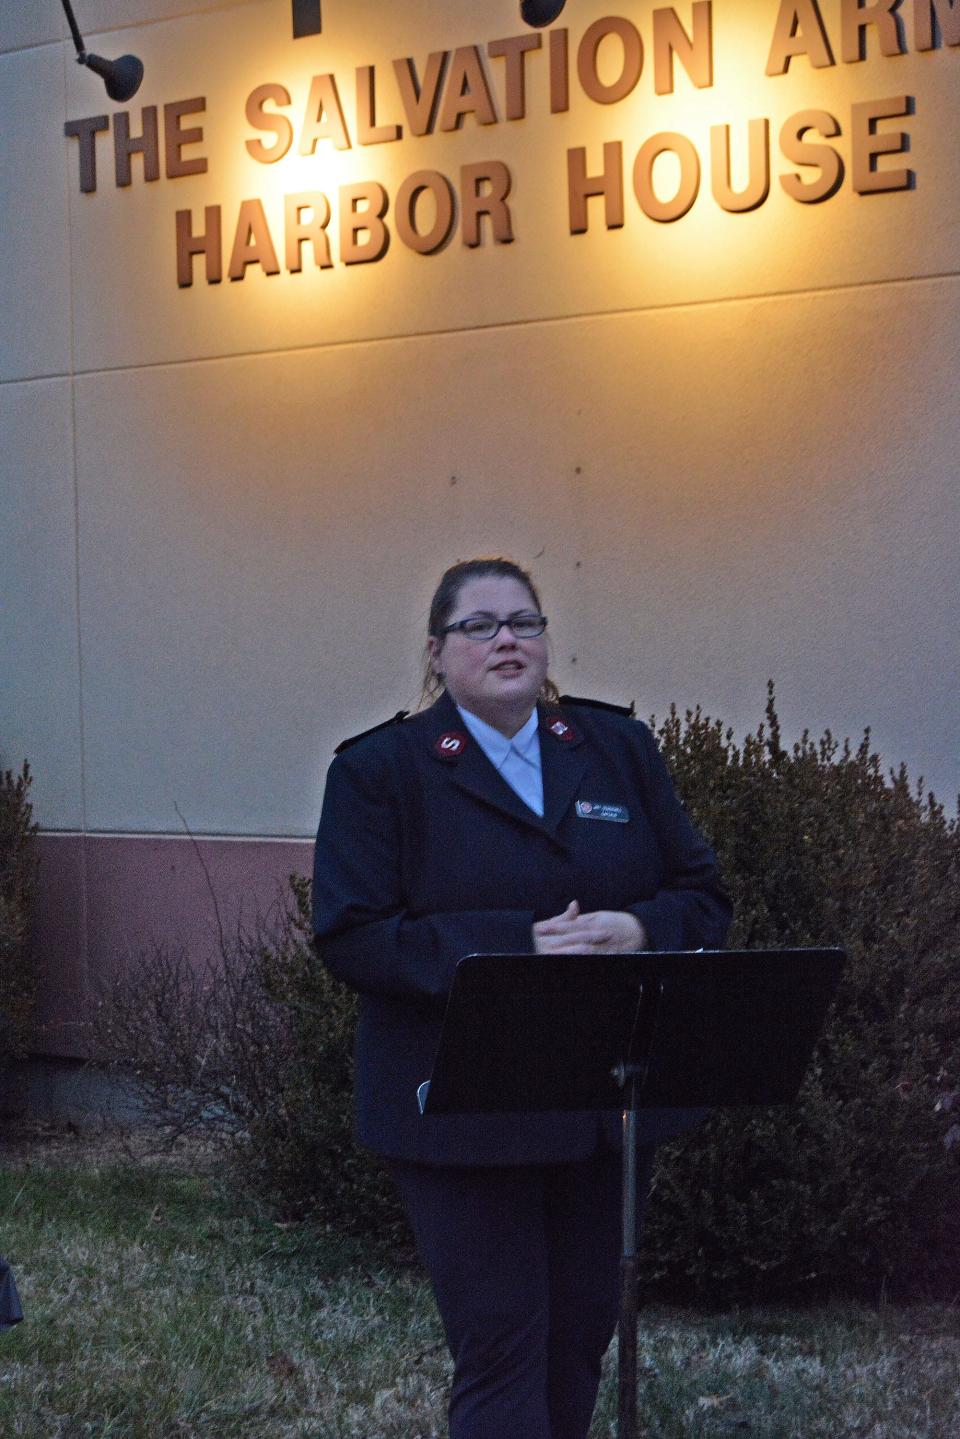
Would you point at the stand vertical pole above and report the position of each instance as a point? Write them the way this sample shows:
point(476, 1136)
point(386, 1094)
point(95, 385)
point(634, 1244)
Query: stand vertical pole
point(627, 1344)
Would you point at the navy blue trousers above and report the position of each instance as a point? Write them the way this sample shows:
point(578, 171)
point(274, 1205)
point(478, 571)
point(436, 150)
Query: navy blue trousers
point(525, 1266)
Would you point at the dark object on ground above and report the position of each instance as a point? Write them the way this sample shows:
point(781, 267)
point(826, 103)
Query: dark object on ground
point(10, 1311)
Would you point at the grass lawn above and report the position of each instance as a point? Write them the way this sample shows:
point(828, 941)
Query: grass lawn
point(161, 1305)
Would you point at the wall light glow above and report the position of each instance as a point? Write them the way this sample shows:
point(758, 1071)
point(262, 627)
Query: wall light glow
point(619, 161)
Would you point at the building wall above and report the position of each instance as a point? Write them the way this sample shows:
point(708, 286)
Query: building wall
point(726, 445)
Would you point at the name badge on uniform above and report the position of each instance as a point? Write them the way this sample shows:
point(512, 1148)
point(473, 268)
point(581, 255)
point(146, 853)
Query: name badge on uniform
point(589, 809)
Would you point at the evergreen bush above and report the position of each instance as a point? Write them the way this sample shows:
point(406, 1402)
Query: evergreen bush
point(17, 877)
point(855, 1187)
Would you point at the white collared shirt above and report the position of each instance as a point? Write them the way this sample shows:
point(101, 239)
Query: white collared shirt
point(516, 760)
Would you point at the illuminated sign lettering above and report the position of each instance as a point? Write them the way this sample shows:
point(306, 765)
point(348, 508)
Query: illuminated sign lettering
point(658, 175)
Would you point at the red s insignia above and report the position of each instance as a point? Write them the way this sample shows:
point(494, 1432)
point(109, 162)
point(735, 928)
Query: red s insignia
point(451, 744)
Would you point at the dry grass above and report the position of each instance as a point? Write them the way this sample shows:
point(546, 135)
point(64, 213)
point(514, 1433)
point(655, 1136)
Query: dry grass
point(160, 1305)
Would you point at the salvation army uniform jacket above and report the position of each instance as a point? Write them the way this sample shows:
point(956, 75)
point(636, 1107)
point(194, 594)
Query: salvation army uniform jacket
point(425, 854)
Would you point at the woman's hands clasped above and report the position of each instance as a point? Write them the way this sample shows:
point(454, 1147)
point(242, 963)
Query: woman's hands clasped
point(603, 931)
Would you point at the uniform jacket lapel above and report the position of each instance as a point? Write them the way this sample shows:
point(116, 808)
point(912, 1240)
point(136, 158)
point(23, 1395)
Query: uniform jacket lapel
point(470, 770)
point(562, 761)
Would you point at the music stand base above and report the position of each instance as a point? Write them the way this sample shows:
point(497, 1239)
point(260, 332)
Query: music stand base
point(627, 1328)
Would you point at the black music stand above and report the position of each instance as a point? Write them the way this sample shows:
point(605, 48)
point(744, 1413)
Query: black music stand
point(629, 1032)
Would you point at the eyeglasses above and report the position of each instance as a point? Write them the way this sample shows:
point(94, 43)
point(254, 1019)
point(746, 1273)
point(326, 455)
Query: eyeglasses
point(487, 627)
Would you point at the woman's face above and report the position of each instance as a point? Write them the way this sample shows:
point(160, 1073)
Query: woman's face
point(499, 679)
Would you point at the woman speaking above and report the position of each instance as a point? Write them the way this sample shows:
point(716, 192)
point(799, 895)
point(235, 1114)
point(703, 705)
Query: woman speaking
point(500, 820)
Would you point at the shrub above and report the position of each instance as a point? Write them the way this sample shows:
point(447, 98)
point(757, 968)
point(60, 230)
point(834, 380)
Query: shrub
point(309, 1155)
point(852, 1189)
point(253, 1049)
point(17, 877)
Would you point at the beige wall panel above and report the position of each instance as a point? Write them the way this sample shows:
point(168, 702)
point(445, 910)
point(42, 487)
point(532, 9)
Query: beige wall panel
point(35, 23)
point(258, 540)
point(257, 588)
point(34, 277)
point(39, 695)
point(709, 497)
point(126, 237)
point(24, 23)
point(96, 16)
point(769, 490)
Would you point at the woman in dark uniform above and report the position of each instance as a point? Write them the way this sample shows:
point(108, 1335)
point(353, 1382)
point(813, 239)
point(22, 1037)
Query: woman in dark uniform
point(502, 820)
